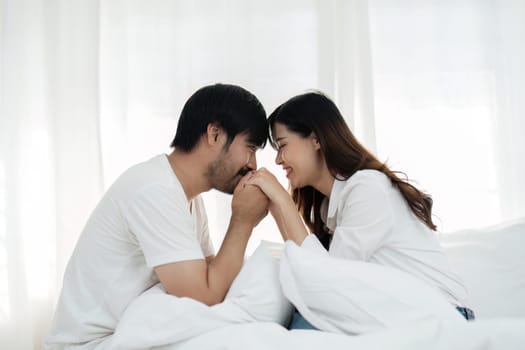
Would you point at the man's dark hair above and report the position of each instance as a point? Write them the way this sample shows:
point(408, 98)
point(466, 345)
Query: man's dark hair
point(231, 107)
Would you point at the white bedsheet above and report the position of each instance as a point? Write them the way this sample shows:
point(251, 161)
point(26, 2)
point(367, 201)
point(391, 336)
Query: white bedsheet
point(355, 297)
point(160, 321)
point(494, 334)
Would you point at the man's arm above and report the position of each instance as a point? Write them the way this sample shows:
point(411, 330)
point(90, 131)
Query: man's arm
point(209, 282)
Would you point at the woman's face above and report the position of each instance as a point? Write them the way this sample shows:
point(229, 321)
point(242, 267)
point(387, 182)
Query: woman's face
point(299, 156)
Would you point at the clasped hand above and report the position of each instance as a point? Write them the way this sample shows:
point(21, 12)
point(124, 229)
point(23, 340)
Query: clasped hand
point(249, 203)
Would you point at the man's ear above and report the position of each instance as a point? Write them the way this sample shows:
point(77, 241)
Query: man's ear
point(213, 133)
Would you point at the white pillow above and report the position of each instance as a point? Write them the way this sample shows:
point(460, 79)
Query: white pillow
point(491, 263)
point(156, 318)
point(353, 297)
point(257, 289)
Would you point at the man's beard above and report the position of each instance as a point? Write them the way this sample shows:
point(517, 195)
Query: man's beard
point(220, 175)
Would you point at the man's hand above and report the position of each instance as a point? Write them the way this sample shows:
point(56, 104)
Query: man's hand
point(208, 280)
point(249, 203)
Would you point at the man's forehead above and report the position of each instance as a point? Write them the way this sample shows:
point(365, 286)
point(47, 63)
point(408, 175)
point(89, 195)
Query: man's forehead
point(244, 138)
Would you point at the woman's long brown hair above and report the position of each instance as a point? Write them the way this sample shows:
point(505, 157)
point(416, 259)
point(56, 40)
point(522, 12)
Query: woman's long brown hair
point(343, 154)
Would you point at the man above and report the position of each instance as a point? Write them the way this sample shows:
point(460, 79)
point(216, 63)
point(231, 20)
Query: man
point(151, 225)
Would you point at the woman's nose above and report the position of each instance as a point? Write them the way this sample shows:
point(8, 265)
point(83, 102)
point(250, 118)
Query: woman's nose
point(278, 158)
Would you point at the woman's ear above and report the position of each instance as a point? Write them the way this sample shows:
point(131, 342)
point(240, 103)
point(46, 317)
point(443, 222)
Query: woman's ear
point(315, 141)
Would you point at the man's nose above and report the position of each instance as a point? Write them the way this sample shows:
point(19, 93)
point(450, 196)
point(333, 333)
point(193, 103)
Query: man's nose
point(252, 162)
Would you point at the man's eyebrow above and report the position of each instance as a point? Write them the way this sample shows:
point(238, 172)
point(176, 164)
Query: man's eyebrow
point(280, 138)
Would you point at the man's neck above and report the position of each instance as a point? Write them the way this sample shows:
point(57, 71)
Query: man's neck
point(189, 169)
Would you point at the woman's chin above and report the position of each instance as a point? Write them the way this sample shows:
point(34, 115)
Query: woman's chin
point(294, 185)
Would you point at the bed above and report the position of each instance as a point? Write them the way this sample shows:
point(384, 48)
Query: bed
point(359, 306)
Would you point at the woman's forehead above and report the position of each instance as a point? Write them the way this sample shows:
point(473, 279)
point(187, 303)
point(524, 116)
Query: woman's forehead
point(279, 131)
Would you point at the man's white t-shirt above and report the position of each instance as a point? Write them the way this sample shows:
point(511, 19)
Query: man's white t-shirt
point(143, 221)
point(371, 221)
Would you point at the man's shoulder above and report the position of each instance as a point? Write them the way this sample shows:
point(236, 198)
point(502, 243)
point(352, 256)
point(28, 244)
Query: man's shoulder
point(152, 176)
point(150, 168)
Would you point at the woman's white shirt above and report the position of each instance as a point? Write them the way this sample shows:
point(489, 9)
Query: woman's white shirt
point(371, 221)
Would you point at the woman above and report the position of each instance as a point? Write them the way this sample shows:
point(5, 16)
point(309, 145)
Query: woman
point(356, 206)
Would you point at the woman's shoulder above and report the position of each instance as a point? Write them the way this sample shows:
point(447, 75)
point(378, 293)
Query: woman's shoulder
point(367, 182)
point(369, 176)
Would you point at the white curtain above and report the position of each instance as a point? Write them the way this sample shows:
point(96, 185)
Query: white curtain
point(449, 88)
point(50, 171)
point(88, 88)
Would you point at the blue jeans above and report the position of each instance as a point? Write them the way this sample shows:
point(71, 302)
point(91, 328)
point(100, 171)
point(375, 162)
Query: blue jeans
point(466, 312)
point(299, 322)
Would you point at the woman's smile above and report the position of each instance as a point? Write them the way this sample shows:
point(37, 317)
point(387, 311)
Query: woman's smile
point(288, 171)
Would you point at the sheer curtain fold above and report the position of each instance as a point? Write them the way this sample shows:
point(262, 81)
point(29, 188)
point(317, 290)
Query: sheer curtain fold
point(345, 63)
point(49, 129)
point(88, 88)
point(509, 76)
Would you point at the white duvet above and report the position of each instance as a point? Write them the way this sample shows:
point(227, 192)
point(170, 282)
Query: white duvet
point(504, 334)
point(358, 305)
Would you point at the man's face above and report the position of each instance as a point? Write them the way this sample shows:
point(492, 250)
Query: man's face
point(225, 172)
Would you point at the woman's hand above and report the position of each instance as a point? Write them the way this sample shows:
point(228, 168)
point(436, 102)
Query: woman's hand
point(269, 184)
point(281, 206)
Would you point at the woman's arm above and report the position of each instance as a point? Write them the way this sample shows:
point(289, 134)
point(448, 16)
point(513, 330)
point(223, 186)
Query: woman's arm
point(282, 206)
